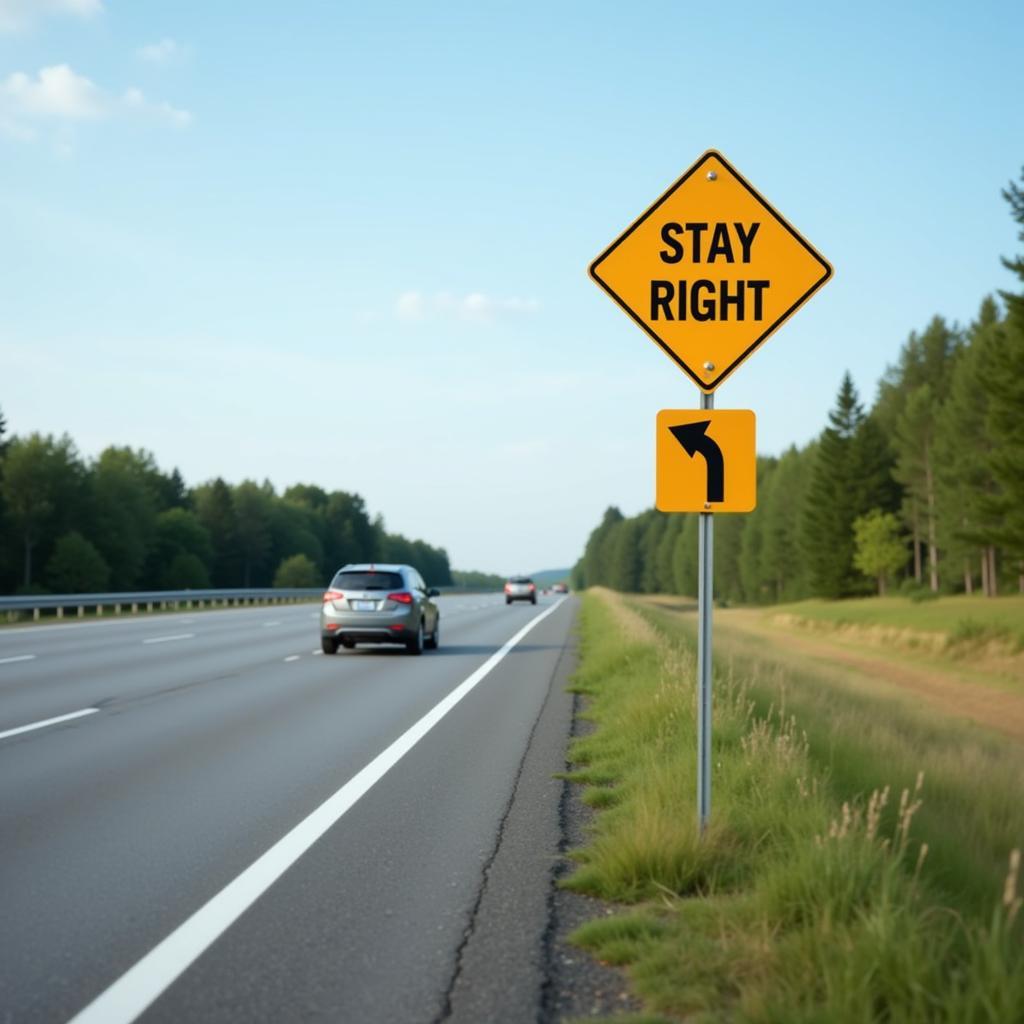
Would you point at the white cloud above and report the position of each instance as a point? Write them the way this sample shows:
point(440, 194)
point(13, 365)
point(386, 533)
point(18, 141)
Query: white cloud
point(16, 15)
point(133, 99)
point(55, 92)
point(58, 95)
point(164, 52)
point(474, 307)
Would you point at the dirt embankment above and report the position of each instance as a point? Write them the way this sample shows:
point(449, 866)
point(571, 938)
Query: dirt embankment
point(942, 687)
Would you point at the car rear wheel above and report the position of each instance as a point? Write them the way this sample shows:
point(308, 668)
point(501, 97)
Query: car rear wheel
point(533, 600)
point(435, 638)
point(508, 600)
point(415, 646)
point(328, 645)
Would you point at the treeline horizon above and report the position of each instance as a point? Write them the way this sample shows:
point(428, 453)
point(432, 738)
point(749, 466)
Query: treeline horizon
point(118, 523)
point(923, 492)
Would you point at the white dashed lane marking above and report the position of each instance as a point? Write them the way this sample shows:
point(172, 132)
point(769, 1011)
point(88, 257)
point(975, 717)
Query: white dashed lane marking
point(168, 639)
point(48, 721)
point(17, 657)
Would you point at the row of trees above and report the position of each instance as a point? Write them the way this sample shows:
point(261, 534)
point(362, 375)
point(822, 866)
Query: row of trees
point(927, 485)
point(117, 522)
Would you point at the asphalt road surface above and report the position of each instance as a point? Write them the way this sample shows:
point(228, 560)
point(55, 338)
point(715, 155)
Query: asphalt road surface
point(203, 818)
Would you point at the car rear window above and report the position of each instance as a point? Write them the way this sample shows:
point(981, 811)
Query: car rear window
point(367, 581)
point(520, 579)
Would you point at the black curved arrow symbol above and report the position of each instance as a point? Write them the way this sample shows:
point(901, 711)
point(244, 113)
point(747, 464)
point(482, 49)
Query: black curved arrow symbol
point(693, 437)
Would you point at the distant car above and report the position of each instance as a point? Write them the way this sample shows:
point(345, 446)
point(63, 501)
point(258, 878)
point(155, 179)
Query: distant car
point(520, 588)
point(379, 604)
point(560, 588)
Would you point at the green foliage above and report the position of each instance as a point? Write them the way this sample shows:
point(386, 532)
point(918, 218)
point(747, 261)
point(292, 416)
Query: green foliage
point(844, 484)
point(880, 550)
point(625, 566)
point(76, 567)
point(594, 568)
point(135, 527)
point(297, 571)
point(1005, 424)
point(216, 512)
point(125, 500)
point(966, 487)
point(185, 571)
point(253, 507)
point(43, 484)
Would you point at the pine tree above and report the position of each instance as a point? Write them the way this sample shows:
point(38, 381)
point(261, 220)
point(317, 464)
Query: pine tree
point(594, 568)
point(656, 525)
point(666, 546)
point(217, 513)
point(625, 566)
point(685, 557)
point(829, 512)
point(963, 450)
point(1005, 419)
point(782, 562)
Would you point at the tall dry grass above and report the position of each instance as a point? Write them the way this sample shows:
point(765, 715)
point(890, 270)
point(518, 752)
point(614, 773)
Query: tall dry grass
point(797, 904)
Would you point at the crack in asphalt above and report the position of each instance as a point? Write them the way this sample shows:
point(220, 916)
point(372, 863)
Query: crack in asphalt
point(446, 1004)
point(546, 1010)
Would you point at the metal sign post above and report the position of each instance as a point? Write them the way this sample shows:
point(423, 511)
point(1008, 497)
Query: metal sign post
point(709, 271)
point(705, 595)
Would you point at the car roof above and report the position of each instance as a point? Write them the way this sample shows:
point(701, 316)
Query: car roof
point(373, 567)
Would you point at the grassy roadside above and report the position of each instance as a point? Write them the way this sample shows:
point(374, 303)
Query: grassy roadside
point(939, 615)
point(864, 734)
point(808, 899)
point(956, 627)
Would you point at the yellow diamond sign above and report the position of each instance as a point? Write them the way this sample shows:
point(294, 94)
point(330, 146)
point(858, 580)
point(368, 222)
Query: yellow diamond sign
point(710, 270)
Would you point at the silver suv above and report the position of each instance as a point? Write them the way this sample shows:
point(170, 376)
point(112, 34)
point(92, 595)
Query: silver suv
point(379, 604)
point(520, 588)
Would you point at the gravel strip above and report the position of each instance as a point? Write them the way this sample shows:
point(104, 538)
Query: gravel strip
point(578, 986)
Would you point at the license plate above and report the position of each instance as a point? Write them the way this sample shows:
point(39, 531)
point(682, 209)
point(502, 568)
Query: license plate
point(364, 606)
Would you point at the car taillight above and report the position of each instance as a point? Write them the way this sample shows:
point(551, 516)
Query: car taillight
point(508, 588)
point(333, 595)
point(532, 587)
point(403, 597)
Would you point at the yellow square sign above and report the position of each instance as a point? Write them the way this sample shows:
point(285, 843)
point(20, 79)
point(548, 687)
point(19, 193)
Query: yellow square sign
point(710, 270)
point(707, 460)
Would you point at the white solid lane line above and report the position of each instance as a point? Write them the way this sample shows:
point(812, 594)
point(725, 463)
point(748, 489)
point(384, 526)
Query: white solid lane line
point(48, 721)
point(17, 657)
point(168, 639)
point(129, 996)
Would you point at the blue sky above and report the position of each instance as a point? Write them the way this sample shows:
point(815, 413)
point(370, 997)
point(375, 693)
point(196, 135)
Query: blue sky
point(347, 244)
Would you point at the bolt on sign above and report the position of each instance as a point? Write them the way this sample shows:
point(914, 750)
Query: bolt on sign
point(706, 460)
point(710, 270)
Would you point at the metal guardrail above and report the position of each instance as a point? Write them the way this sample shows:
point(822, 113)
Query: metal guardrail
point(149, 600)
point(162, 600)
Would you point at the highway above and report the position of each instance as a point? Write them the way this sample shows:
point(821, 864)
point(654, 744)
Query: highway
point(203, 818)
